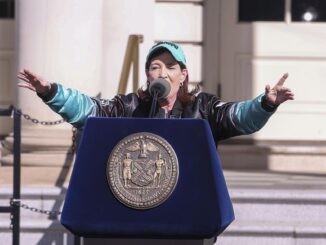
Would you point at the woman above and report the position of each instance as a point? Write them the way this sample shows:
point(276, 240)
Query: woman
point(165, 60)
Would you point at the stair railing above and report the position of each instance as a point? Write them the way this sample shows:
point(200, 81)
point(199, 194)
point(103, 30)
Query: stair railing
point(131, 58)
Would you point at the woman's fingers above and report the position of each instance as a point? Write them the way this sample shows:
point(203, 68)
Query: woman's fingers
point(282, 80)
point(30, 75)
point(24, 76)
point(290, 96)
point(33, 82)
point(26, 85)
point(21, 77)
point(267, 88)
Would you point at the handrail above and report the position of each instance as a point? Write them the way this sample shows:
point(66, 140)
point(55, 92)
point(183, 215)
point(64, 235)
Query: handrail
point(131, 57)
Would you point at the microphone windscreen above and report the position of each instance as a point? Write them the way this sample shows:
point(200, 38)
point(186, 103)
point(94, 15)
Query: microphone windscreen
point(161, 87)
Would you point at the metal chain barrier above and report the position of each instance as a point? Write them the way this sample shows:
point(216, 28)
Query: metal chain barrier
point(45, 123)
point(51, 123)
point(73, 139)
point(17, 202)
point(3, 146)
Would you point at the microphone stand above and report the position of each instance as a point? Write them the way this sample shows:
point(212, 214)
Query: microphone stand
point(154, 103)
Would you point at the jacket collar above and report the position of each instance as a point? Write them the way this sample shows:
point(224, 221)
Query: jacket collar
point(176, 111)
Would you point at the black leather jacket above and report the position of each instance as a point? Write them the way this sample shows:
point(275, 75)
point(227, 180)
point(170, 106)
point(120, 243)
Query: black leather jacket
point(225, 119)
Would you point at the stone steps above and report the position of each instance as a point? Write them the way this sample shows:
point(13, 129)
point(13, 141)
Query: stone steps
point(39, 144)
point(37, 176)
point(269, 233)
point(45, 159)
point(270, 208)
point(36, 228)
point(276, 208)
point(41, 139)
point(39, 168)
point(41, 159)
point(275, 157)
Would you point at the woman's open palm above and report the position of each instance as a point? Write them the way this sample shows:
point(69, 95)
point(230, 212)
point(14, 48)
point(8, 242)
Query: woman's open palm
point(278, 94)
point(33, 82)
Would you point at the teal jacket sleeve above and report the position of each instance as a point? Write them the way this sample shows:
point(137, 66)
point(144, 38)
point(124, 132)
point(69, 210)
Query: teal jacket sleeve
point(72, 105)
point(249, 116)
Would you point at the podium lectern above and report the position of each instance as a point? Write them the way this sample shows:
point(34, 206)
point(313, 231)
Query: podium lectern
point(194, 207)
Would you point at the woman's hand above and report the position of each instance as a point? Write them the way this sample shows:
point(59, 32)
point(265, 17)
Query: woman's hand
point(278, 94)
point(33, 82)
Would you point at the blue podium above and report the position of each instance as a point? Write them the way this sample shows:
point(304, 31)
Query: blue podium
point(198, 206)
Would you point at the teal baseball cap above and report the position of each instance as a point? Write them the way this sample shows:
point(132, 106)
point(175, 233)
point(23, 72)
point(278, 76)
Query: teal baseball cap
point(173, 48)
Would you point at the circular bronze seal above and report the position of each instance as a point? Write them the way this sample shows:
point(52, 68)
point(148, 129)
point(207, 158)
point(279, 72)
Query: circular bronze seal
point(142, 170)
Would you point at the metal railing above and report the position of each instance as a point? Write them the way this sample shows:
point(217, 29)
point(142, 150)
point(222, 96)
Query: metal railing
point(131, 58)
point(14, 208)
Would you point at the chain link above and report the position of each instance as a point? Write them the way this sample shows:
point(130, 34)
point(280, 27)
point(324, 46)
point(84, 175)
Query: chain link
point(73, 139)
point(36, 121)
point(51, 123)
point(3, 146)
point(16, 202)
point(11, 226)
point(48, 123)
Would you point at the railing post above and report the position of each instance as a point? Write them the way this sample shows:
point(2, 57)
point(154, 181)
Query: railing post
point(16, 176)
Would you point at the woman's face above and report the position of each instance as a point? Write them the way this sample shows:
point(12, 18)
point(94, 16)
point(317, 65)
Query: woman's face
point(166, 67)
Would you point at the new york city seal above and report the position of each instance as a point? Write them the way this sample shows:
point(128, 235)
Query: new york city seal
point(142, 170)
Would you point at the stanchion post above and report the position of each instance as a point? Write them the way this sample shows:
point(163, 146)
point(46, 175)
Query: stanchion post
point(16, 177)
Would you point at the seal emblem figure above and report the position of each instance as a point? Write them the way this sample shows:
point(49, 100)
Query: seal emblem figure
point(142, 170)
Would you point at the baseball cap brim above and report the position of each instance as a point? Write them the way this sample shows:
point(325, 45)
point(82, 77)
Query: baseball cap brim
point(173, 48)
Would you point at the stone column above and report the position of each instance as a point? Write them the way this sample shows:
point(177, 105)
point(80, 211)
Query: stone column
point(61, 41)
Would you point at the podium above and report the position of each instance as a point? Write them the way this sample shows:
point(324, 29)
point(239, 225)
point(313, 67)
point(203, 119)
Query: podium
point(120, 197)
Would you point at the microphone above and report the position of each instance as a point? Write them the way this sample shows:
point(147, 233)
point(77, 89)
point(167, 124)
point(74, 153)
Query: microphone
point(161, 87)
point(158, 89)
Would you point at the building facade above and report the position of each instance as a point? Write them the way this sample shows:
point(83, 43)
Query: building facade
point(231, 51)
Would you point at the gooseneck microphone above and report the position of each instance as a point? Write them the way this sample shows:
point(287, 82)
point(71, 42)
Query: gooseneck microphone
point(158, 89)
